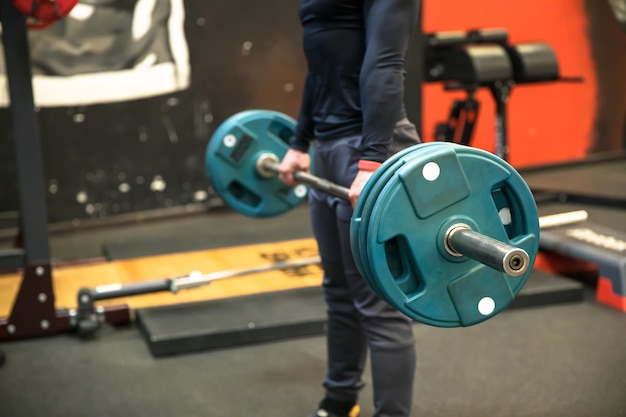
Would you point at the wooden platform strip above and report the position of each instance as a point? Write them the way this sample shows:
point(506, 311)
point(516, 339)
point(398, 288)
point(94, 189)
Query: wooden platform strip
point(68, 280)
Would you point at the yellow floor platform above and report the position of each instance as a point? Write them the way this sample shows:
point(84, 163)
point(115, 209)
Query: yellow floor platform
point(68, 280)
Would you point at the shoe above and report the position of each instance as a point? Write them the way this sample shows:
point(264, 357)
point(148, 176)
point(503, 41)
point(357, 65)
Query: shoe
point(323, 413)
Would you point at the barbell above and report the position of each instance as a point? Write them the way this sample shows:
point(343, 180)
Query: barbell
point(445, 233)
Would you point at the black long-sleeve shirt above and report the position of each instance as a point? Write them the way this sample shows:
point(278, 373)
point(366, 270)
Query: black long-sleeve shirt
point(355, 51)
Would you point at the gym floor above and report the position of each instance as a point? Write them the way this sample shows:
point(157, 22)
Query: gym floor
point(564, 360)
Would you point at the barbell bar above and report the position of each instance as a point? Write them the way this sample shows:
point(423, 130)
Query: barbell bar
point(460, 239)
point(563, 219)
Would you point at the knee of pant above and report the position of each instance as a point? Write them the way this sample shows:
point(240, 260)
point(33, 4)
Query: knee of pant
point(389, 332)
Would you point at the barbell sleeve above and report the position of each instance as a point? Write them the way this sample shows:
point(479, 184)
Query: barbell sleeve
point(459, 241)
point(117, 290)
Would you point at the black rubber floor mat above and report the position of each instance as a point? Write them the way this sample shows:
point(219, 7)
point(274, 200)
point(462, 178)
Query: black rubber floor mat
point(272, 316)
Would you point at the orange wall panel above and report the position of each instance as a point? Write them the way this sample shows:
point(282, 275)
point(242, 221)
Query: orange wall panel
point(546, 122)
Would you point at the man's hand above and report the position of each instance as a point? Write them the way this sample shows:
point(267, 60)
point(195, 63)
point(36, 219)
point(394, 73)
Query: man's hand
point(357, 185)
point(293, 160)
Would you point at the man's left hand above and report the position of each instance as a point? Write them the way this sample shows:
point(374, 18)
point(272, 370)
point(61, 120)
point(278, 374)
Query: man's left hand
point(357, 185)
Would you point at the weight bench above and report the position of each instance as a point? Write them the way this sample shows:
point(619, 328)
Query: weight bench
point(484, 58)
point(601, 247)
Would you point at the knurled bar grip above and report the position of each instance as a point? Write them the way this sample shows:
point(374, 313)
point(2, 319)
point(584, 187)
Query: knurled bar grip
point(322, 184)
point(198, 279)
point(460, 241)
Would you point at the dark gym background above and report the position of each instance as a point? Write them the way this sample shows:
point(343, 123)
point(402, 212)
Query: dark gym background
point(122, 158)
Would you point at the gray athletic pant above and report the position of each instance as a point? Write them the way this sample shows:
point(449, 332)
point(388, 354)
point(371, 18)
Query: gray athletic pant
point(357, 318)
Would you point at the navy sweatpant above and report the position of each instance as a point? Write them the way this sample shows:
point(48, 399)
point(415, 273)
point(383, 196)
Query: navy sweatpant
point(358, 320)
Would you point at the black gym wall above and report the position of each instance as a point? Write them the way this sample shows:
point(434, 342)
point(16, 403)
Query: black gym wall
point(107, 156)
point(113, 157)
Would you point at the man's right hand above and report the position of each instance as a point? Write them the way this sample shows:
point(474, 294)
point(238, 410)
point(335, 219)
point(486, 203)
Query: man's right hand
point(294, 160)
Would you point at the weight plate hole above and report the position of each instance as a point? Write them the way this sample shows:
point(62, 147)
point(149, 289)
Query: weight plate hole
point(243, 194)
point(431, 171)
point(283, 190)
point(509, 211)
point(486, 306)
point(396, 251)
point(242, 148)
point(394, 259)
point(281, 130)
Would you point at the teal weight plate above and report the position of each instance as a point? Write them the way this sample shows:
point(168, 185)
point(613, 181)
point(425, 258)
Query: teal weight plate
point(365, 236)
point(360, 218)
point(356, 224)
point(443, 184)
point(231, 157)
point(358, 236)
point(386, 172)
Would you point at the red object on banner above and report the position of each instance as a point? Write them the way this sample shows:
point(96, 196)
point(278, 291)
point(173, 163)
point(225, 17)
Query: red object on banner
point(43, 13)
